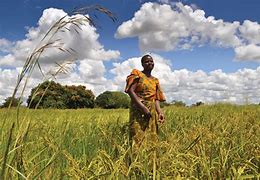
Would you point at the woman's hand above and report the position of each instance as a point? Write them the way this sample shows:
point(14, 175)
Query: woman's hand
point(147, 113)
point(137, 101)
point(161, 118)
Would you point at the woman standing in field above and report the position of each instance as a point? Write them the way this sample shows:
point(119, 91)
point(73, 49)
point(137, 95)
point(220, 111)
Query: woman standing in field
point(145, 112)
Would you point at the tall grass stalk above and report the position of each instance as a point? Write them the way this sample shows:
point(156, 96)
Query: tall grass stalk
point(9, 140)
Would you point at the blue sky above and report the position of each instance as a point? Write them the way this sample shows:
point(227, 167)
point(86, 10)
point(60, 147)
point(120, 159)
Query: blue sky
point(231, 50)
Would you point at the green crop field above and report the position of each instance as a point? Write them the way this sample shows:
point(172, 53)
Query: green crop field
point(206, 142)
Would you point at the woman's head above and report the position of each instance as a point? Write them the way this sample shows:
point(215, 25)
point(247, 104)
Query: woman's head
point(147, 62)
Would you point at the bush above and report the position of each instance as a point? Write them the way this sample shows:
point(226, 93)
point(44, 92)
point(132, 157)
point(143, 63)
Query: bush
point(113, 100)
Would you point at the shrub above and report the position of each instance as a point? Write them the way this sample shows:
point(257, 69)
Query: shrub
point(113, 100)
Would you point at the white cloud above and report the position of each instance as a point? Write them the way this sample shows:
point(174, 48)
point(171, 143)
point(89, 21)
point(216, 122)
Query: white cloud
point(8, 80)
point(85, 43)
point(248, 52)
point(5, 45)
point(8, 59)
point(250, 31)
point(164, 27)
point(192, 87)
point(88, 70)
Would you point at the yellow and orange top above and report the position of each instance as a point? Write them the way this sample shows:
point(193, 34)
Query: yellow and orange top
point(148, 88)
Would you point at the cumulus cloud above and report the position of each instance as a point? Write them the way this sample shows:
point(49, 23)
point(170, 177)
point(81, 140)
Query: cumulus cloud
point(191, 87)
point(174, 26)
point(90, 73)
point(5, 45)
point(248, 52)
point(86, 69)
point(8, 79)
point(85, 42)
point(250, 32)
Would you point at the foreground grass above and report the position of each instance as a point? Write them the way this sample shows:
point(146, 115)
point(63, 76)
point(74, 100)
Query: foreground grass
point(218, 141)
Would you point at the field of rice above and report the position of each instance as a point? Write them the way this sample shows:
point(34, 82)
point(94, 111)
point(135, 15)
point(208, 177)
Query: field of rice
point(207, 142)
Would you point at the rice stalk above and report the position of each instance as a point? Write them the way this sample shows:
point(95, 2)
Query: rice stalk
point(118, 164)
point(53, 157)
point(5, 155)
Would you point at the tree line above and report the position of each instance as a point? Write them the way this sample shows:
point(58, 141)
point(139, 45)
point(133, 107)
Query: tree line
point(50, 94)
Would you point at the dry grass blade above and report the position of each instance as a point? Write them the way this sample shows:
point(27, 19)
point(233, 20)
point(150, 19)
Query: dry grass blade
point(42, 95)
point(62, 68)
point(91, 22)
point(18, 172)
point(78, 26)
point(87, 10)
point(193, 143)
point(106, 11)
point(2, 175)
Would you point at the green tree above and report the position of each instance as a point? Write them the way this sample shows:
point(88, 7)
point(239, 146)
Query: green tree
point(79, 97)
point(113, 100)
point(50, 94)
point(15, 102)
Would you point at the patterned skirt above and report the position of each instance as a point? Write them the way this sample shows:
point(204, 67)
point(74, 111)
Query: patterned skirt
point(142, 130)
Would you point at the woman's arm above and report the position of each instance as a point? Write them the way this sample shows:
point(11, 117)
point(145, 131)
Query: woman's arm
point(159, 111)
point(136, 100)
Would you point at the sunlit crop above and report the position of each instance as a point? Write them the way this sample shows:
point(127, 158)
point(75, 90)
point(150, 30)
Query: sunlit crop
point(217, 141)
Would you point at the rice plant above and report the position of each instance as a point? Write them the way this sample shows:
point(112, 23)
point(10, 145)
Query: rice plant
point(208, 142)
